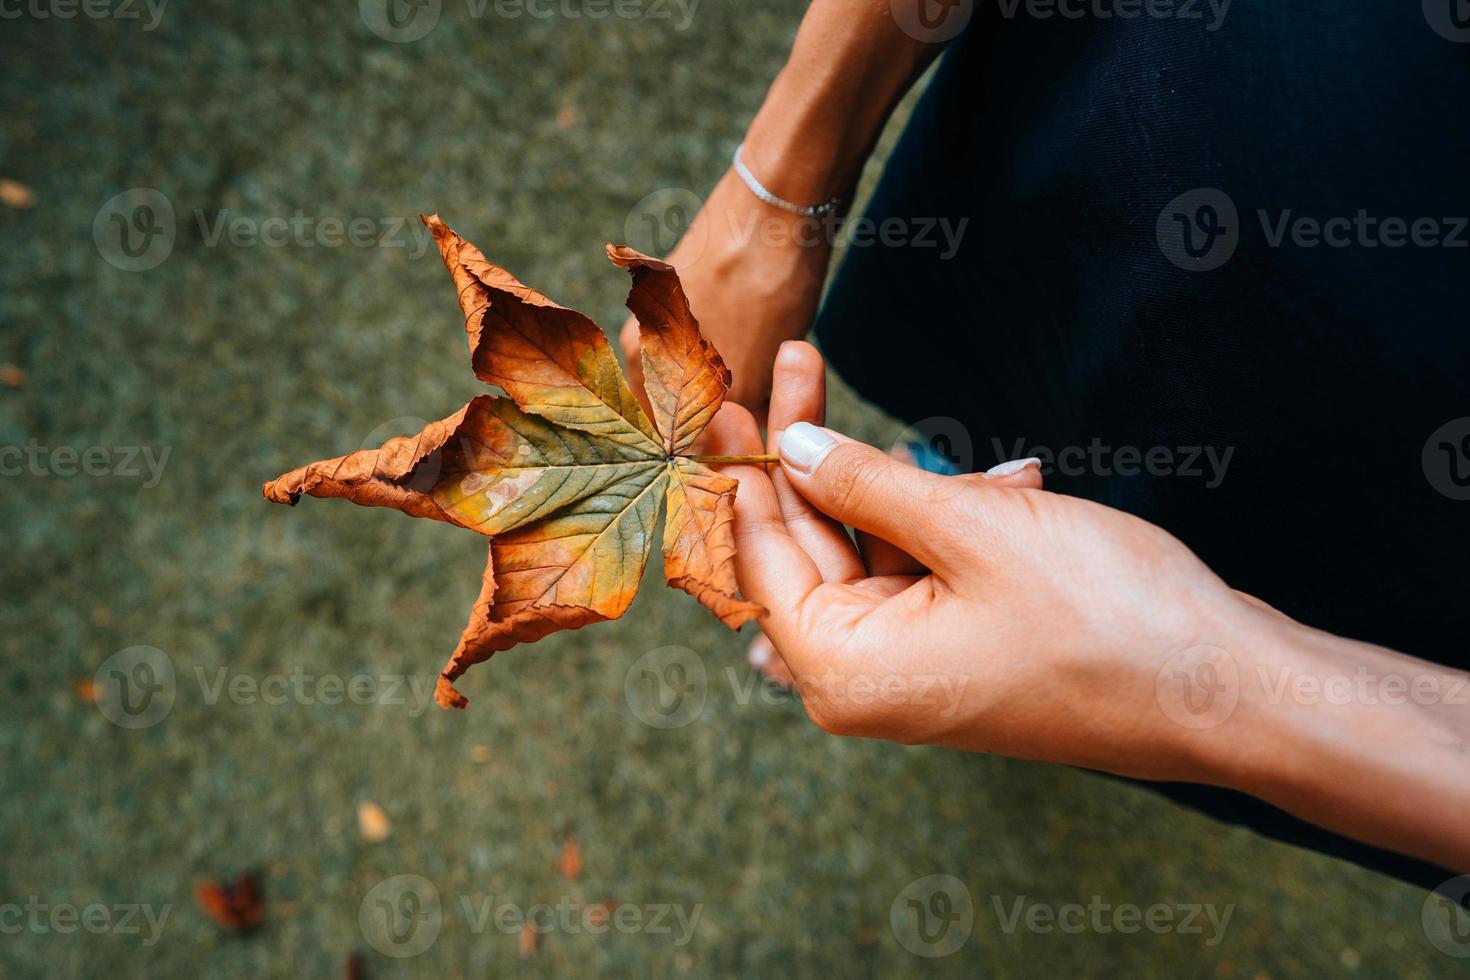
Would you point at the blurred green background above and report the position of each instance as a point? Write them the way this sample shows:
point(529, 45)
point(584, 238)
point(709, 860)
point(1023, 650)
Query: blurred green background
point(536, 137)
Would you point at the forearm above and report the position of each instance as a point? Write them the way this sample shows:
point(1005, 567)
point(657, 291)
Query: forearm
point(1356, 738)
point(849, 66)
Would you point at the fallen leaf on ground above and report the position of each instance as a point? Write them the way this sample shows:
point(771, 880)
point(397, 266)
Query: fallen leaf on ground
point(528, 941)
point(14, 194)
point(11, 376)
point(85, 689)
point(567, 475)
point(372, 822)
point(570, 862)
point(234, 906)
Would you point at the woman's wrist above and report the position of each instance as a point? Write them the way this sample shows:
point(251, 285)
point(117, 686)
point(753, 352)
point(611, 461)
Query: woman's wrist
point(1346, 735)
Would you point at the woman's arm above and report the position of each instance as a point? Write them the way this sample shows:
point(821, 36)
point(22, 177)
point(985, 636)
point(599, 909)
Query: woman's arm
point(848, 68)
point(753, 272)
point(1357, 738)
point(1030, 624)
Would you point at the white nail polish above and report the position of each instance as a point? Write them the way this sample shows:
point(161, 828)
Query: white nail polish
point(804, 446)
point(1013, 466)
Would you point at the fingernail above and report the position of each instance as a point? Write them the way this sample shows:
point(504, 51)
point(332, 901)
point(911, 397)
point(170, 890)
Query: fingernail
point(804, 446)
point(1014, 466)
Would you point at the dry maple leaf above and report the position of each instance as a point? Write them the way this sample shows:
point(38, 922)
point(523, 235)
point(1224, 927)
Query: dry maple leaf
point(566, 476)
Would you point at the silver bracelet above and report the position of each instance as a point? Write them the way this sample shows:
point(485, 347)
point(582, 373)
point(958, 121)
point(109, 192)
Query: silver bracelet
point(759, 190)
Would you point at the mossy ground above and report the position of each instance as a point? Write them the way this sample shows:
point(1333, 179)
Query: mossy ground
point(535, 138)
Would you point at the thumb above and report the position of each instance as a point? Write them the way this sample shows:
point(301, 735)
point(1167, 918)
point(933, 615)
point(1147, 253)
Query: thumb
point(869, 490)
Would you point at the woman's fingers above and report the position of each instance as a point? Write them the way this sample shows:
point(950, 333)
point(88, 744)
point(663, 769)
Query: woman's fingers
point(929, 517)
point(772, 567)
point(1016, 474)
point(799, 394)
point(882, 558)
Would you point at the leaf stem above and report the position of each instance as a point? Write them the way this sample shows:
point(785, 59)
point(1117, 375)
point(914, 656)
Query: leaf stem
point(735, 459)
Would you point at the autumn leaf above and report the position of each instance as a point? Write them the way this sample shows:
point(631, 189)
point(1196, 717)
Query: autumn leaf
point(567, 475)
point(234, 906)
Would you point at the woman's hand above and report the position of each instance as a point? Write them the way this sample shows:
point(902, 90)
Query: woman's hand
point(988, 615)
point(753, 275)
point(985, 613)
